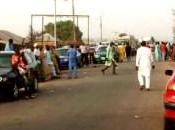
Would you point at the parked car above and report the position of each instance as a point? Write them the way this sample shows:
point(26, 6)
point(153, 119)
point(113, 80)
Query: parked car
point(10, 80)
point(63, 57)
point(100, 54)
point(169, 102)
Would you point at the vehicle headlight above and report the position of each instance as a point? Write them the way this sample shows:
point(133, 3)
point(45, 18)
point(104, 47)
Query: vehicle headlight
point(65, 59)
point(4, 79)
point(1, 79)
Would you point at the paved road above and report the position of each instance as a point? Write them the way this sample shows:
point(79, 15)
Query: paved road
point(92, 102)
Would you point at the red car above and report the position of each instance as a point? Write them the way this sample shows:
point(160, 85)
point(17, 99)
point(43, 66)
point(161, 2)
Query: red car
point(169, 102)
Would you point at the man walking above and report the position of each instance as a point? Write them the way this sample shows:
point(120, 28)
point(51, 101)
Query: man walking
point(144, 63)
point(110, 59)
point(72, 57)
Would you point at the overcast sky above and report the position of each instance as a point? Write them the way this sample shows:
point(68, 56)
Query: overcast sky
point(142, 18)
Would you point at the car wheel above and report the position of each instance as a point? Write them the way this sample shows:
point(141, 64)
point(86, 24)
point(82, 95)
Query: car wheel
point(14, 92)
point(168, 124)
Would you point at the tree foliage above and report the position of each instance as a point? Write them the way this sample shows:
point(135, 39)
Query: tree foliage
point(64, 30)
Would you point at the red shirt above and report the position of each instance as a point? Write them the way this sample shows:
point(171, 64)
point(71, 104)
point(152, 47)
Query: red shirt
point(22, 63)
point(163, 47)
point(15, 60)
point(18, 61)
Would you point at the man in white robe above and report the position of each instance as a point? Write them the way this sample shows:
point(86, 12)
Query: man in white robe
point(144, 64)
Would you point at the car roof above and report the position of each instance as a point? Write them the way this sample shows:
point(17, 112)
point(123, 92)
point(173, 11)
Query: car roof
point(7, 52)
point(99, 47)
point(62, 48)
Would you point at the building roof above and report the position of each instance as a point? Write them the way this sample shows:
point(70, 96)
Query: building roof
point(6, 35)
point(46, 37)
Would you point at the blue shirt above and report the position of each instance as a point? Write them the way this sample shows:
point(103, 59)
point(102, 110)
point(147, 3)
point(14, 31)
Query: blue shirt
point(8, 47)
point(72, 56)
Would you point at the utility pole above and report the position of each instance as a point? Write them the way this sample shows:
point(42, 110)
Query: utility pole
point(88, 31)
point(42, 30)
point(73, 13)
point(173, 12)
point(101, 29)
point(55, 26)
point(31, 35)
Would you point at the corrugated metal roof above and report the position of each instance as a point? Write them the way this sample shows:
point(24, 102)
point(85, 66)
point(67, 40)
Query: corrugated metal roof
point(6, 35)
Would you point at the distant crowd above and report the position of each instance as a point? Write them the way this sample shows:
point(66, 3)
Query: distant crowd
point(48, 59)
point(164, 51)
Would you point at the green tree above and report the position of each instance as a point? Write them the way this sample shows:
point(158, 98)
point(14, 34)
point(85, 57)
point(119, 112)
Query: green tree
point(64, 30)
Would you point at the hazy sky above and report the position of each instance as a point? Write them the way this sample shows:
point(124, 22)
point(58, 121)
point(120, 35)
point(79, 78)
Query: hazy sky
point(142, 18)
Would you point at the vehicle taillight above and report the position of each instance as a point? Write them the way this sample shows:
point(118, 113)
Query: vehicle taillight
point(169, 95)
point(171, 87)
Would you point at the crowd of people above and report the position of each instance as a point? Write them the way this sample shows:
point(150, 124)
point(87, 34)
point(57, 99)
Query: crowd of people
point(145, 55)
point(40, 62)
point(48, 62)
point(47, 59)
point(23, 64)
point(160, 51)
point(164, 51)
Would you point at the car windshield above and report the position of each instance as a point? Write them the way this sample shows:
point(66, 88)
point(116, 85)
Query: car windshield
point(101, 50)
point(5, 61)
point(62, 52)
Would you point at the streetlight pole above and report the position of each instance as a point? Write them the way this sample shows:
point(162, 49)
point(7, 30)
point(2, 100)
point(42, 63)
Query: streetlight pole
point(73, 13)
point(173, 12)
point(55, 27)
point(101, 29)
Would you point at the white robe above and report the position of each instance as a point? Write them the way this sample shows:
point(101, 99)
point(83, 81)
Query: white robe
point(144, 61)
